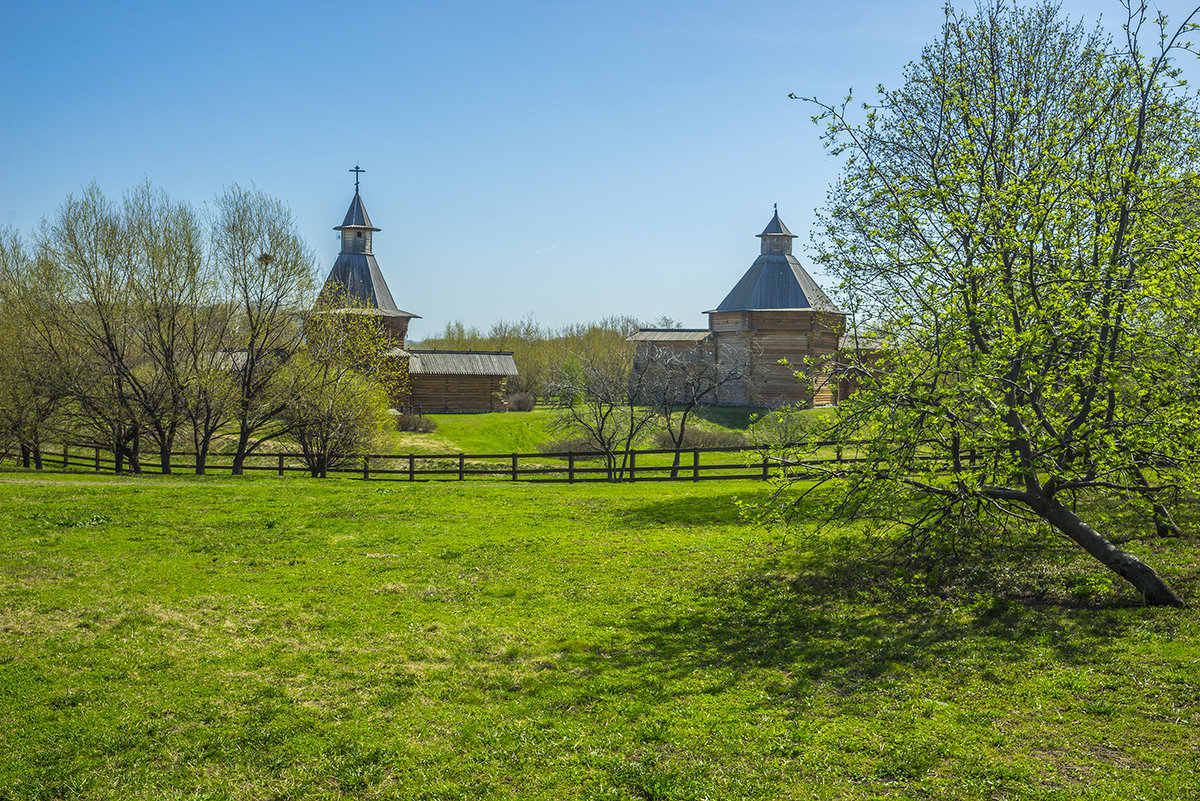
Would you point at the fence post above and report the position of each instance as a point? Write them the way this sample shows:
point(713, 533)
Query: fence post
point(695, 464)
point(570, 468)
point(97, 468)
point(514, 467)
point(461, 460)
point(281, 464)
point(366, 468)
point(766, 466)
point(66, 456)
point(412, 467)
point(633, 466)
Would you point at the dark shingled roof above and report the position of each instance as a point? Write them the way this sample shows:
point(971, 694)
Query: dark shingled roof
point(776, 228)
point(355, 280)
point(776, 281)
point(356, 216)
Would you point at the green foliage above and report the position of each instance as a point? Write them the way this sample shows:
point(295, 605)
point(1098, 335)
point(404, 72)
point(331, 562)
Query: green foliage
point(702, 438)
point(1019, 215)
point(265, 637)
point(540, 352)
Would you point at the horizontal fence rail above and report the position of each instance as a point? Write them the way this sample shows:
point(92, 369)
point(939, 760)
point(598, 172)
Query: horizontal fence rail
point(694, 464)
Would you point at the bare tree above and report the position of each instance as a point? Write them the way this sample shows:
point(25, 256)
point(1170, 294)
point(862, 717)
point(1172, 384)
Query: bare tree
point(602, 405)
point(32, 392)
point(268, 275)
point(90, 324)
point(675, 382)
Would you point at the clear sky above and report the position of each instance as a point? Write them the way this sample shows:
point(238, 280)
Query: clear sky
point(567, 159)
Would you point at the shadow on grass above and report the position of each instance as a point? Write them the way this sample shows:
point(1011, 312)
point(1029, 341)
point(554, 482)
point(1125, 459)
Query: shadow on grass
point(837, 616)
point(816, 627)
point(720, 509)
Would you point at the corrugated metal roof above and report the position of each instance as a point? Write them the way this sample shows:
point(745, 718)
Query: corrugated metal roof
point(461, 362)
point(776, 281)
point(670, 335)
point(356, 216)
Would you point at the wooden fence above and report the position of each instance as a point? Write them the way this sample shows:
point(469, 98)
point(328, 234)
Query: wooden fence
point(695, 464)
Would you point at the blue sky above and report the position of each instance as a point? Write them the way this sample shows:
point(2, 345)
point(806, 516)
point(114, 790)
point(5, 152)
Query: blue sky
point(568, 160)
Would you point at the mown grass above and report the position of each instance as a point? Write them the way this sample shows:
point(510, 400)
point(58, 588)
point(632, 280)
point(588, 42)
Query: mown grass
point(289, 638)
point(493, 432)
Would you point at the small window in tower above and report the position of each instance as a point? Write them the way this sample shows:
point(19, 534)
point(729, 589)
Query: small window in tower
point(358, 234)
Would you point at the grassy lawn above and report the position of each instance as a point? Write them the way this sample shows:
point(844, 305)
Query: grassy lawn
point(494, 432)
point(288, 638)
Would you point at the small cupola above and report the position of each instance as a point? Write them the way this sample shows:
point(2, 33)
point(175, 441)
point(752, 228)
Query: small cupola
point(776, 238)
point(356, 228)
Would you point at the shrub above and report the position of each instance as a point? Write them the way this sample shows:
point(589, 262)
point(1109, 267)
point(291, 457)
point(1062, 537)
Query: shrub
point(788, 426)
point(568, 445)
point(520, 402)
point(418, 423)
point(700, 438)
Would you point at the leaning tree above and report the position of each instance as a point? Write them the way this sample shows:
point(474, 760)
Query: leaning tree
point(1019, 216)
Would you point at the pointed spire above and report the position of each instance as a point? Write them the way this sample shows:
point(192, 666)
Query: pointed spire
point(356, 216)
point(776, 227)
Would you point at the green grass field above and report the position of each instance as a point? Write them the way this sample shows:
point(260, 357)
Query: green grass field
point(175, 637)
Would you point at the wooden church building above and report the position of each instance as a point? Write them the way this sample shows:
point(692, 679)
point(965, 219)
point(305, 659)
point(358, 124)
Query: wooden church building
point(439, 380)
point(776, 311)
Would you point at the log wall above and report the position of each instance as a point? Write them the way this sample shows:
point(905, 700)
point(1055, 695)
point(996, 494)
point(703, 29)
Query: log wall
point(770, 336)
point(456, 393)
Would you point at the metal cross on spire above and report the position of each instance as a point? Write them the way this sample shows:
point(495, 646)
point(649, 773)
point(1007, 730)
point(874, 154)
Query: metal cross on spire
point(356, 172)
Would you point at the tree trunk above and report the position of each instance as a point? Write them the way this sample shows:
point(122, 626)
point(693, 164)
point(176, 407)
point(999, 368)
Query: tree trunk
point(135, 454)
point(164, 456)
point(239, 458)
point(201, 457)
point(1153, 589)
point(37, 457)
point(1164, 523)
point(25, 456)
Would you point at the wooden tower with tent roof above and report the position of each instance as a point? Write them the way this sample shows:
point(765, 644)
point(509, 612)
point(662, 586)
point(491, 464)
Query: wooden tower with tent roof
point(775, 311)
point(440, 381)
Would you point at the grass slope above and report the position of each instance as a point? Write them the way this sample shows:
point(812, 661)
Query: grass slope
point(286, 638)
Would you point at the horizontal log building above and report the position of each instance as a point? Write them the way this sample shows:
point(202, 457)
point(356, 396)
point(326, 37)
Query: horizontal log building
point(775, 312)
point(439, 381)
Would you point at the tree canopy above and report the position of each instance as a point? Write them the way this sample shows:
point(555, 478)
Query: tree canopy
point(1019, 217)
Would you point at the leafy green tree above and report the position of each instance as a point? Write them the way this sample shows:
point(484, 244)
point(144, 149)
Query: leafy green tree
point(343, 379)
point(1018, 216)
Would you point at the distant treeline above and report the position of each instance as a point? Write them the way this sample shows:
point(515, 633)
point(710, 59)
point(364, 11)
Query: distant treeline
point(543, 352)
